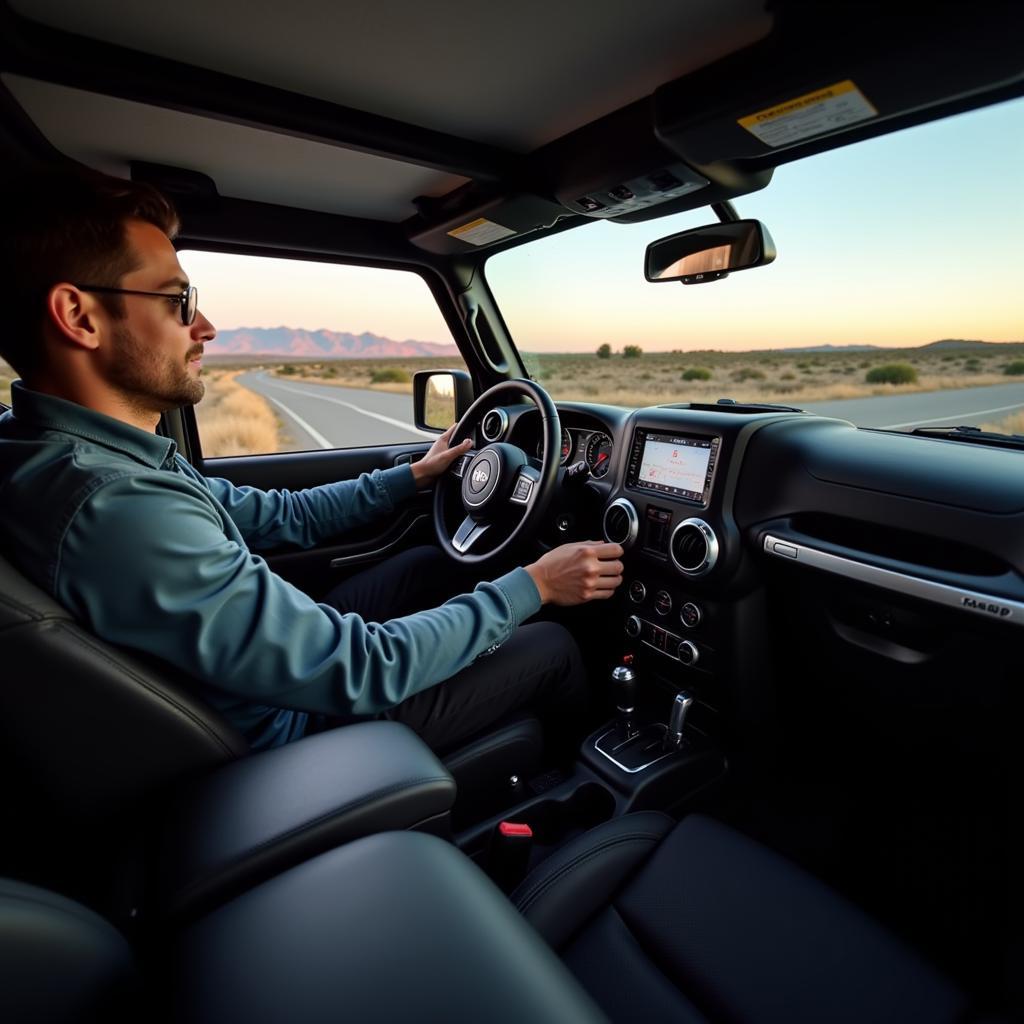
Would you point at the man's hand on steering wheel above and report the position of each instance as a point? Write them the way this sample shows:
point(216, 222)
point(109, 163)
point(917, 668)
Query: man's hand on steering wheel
point(438, 459)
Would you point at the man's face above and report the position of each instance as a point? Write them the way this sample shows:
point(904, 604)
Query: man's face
point(154, 360)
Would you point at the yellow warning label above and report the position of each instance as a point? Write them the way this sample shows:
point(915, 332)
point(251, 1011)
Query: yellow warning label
point(481, 232)
point(815, 113)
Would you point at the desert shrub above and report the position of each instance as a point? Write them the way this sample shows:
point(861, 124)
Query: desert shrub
point(696, 373)
point(865, 365)
point(632, 352)
point(892, 373)
point(948, 359)
point(746, 373)
point(604, 351)
point(390, 375)
point(288, 369)
point(972, 365)
point(1014, 369)
point(803, 366)
point(788, 376)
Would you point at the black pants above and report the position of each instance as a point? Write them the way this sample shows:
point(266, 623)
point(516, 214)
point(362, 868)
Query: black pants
point(538, 668)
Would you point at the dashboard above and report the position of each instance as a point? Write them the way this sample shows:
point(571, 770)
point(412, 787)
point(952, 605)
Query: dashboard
point(900, 541)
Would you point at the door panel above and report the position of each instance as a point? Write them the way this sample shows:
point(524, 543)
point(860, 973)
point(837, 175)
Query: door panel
point(318, 569)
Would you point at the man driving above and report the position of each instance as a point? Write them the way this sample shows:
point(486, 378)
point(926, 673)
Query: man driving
point(104, 514)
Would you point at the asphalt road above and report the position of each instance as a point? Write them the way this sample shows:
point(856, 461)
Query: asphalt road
point(323, 416)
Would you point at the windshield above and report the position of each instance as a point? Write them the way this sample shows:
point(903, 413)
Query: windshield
point(894, 301)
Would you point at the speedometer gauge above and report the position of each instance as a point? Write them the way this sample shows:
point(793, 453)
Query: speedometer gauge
point(599, 453)
point(566, 447)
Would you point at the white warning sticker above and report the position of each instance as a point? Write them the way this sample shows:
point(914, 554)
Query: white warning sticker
point(817, 113)
point(481, 232)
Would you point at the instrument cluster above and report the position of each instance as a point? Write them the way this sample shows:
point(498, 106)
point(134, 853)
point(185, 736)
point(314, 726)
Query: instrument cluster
point(594, 447)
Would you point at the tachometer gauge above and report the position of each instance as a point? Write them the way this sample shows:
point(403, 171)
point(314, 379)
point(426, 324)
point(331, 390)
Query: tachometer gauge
point(566, 447)
point(599, 453)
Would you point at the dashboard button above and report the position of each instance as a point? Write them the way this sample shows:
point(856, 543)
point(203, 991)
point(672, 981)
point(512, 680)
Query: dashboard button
point(633, 626)
point(688, 653)
point(663, 602)
point(690, 615)
point(637, 591)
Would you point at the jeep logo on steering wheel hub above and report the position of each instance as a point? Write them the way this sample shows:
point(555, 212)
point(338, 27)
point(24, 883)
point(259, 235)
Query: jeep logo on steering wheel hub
point(480, 476)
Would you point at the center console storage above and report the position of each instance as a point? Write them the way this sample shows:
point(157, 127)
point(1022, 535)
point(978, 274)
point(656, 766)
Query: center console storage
point(263, 814)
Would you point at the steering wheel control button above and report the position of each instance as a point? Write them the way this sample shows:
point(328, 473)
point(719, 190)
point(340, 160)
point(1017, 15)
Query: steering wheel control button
point(621, 523)
point(690, 615)
point(563, 523)
point(523, 490)
point(633, 626)
point(460, 466)
point(663, 602)
point(637, 592)
point(688, 653)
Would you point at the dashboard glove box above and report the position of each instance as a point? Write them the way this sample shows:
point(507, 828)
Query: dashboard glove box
point(259, 816)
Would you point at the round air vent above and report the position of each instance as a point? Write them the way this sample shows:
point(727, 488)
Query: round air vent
point(494, 424)
point(693, 547)
point(621, 523)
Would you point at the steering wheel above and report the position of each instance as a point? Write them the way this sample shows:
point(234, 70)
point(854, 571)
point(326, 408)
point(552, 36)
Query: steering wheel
point(498, 480)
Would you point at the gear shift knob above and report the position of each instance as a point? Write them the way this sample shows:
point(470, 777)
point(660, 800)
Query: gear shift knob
point(624, 687)
point(677, 720)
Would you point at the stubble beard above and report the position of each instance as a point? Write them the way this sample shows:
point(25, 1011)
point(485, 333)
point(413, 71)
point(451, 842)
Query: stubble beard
point(150, 381)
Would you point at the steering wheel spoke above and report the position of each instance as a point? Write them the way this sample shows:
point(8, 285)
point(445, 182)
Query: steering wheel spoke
point(469, 532)
point(458, 467)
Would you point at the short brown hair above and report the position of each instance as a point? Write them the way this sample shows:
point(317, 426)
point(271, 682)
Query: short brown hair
point(67, 226)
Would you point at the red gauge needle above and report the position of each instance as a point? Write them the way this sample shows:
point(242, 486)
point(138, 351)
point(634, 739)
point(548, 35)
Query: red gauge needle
point(601, 458)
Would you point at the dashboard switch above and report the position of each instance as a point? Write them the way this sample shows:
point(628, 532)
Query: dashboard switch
point(663, 602)
point(688, 653)
point(690, 615)
point(637, 592)
point(633, 626)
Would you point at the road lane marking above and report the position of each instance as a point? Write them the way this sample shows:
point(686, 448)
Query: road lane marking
point(357, 408)
point(951, 416)
point(311, 430)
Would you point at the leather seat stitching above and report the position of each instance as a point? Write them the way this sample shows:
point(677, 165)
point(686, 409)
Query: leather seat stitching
point(531, 896)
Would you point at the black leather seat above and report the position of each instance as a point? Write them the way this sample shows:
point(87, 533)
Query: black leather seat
point(695, 922)
point(658, 922)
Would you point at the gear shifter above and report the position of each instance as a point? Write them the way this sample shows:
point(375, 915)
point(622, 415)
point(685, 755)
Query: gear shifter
point(624, 684)
point(677, 720)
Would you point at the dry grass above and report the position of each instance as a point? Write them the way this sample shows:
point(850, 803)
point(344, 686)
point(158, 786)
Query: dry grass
point(1013, 424)
point(656, 378)
point(234, 420)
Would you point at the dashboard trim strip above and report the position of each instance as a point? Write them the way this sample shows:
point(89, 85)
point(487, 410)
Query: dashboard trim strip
point(999, 609)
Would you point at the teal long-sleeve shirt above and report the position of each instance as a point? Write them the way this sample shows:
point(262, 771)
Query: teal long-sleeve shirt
point(153, 556)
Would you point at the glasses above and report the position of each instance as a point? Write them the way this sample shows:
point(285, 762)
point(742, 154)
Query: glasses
point(188, 300)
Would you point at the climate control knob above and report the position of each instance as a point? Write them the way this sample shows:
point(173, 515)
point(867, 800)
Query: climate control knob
point(633, 626)
point(688, 653)
point(690, 615)
point(663, 602)
point(637, 592)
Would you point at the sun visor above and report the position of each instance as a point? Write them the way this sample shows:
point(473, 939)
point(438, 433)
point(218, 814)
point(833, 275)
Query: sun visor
point(838, 82)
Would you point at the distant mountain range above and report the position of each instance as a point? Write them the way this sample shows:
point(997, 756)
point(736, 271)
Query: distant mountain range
point(294, 341)
point(944, 344)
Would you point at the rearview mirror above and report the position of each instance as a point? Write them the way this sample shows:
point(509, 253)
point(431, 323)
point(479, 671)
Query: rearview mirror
point(709, 253)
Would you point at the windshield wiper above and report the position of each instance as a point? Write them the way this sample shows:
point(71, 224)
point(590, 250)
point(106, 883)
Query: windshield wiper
point(973, 435)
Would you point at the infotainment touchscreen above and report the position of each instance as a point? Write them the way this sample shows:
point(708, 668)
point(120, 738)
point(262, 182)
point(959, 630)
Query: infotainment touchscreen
point(673, 464)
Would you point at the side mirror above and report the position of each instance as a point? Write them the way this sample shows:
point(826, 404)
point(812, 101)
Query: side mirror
point(440, 397)
point(709, 253)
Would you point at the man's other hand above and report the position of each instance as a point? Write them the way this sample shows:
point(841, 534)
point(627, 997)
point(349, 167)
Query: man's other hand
point(573, 573)
point(438, 459)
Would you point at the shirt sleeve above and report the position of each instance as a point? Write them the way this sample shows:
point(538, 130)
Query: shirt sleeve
point(266, 519)
point(147, 563)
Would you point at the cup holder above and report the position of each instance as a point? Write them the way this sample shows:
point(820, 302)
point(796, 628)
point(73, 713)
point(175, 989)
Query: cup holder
point(556, 821)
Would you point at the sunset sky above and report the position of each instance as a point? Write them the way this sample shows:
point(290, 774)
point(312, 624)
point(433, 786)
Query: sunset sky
point(897, 241)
